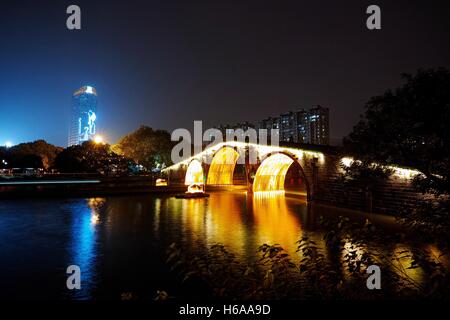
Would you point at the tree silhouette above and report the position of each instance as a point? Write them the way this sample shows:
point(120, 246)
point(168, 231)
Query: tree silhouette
point(410, 127)
point(92, 158)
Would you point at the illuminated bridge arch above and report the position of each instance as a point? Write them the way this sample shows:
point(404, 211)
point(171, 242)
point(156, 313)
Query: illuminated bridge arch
point(194, 173)
point(271, 174)
point(222, 166)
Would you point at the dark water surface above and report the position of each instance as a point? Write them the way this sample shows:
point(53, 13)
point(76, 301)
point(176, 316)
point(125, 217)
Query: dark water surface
point(120, 242)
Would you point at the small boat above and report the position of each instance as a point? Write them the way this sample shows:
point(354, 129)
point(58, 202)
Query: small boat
point(194, 191)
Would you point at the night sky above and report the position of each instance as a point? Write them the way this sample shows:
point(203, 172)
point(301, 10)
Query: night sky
point(167, 63)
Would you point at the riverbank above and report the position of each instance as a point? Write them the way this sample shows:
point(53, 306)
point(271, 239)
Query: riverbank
point(74, 186)
point(81, 187)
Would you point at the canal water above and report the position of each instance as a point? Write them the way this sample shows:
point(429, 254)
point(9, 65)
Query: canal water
point(120, 243)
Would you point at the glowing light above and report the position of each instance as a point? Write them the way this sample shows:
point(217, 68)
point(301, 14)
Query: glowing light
point(222, 167)
point(271, 173)
point(98, 139)
point(347, 162)
point(195, 188)
point(268, 194)
point(398, 172)
point(85, 89)
point(262, 150)
point(8, 144)
point(95, 219)
point(161, 182)
point(194, 173)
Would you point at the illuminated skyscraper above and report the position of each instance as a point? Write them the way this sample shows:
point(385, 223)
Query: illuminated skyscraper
point(83, 115)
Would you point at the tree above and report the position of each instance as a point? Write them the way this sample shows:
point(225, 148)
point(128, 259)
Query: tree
point(37, 154)
point(366, 177)
point(410, 127)
point(4, 158)
point(148, 147)
point(92, 158)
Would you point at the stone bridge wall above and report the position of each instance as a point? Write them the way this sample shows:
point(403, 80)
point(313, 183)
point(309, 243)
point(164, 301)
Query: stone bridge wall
point(326, 187)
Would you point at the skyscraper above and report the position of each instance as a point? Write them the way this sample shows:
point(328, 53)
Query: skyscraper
point(83, 115)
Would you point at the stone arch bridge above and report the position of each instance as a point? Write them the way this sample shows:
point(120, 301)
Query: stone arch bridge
point(265, 170)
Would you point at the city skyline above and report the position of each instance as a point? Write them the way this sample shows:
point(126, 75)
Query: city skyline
point(174, 63)
point(300, 125)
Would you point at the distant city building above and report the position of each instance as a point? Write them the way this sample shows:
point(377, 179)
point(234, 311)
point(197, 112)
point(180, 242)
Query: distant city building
point(232, 130)
point(317, 128)
point(269, 123)
point(288, 127)
point(302, 126)
point(83, 116)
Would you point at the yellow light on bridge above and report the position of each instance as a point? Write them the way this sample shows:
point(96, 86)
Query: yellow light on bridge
point(271, 173)
point(194, 173)
point(347, 162)
point(222, 167)
point(262, 150)
point(399, 172)
point(161, 182)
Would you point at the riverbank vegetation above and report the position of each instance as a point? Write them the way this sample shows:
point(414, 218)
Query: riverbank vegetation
point(408, 126)
point(144, 150)
point(332, 269)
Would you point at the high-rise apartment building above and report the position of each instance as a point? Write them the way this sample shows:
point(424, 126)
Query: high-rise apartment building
point(318, 126)
point(302, 126)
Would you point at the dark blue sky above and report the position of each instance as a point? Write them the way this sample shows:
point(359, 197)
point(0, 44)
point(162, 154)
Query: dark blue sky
point(168, 63)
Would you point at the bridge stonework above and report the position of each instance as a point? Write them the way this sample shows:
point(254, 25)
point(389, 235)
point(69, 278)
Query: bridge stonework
point(323, 178)
point(327, 187)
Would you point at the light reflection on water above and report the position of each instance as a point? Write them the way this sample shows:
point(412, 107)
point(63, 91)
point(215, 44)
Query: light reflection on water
point(82, 247)
point(120, 242)
point(276, 223)
point(243, 222)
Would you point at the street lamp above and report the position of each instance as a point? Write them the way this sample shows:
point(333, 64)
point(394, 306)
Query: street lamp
point(98, 139)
